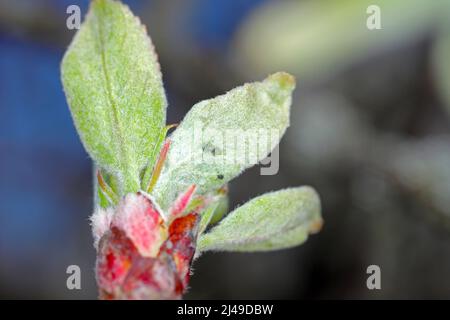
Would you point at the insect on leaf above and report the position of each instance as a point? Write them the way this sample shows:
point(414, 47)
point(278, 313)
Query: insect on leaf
point(221, 137)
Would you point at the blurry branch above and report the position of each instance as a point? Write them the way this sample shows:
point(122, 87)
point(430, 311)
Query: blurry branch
point(441, 62)
point(315, 39)
point(421, 168)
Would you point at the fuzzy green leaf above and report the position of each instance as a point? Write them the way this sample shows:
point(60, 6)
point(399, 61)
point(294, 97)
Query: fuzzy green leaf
point(206, 217)
point(221, 137)
point(275, 220)
point(221, 209)
point(114, 89)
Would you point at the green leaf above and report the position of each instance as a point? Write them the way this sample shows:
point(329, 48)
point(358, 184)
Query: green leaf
point(114, 89)
point(275, 220)
point(100, 199)
point(221, 209)
point(221, 137)
point(206, 217)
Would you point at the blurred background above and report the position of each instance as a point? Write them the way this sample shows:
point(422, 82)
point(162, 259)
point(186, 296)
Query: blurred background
point(370, 130)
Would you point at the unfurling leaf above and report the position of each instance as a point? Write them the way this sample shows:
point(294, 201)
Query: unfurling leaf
point(221, 137)
point(275, 220)
point(114, 89)
point(221, 209)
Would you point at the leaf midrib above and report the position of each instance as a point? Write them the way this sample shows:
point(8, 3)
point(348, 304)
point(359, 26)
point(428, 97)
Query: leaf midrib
point(121, 145)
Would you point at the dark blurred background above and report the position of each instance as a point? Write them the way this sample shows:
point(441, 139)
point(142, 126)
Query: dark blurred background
point(370, 130)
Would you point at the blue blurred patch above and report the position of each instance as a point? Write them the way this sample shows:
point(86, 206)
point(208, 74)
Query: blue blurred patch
point(42, 162)
point(32, 104)
point(213, 22)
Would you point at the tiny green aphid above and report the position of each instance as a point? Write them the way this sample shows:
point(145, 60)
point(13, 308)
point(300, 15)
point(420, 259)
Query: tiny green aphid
point(157, 194)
